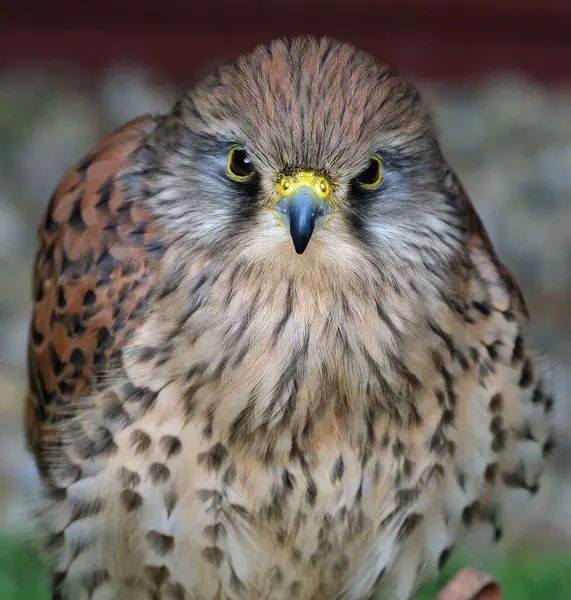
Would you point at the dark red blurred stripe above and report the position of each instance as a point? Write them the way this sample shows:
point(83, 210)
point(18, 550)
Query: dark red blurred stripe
point(432, 39)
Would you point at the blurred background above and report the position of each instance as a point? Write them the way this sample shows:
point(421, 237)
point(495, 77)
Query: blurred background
point(496, 74)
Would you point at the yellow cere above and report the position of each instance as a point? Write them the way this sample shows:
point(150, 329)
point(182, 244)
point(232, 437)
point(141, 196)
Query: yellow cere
point(289, 183)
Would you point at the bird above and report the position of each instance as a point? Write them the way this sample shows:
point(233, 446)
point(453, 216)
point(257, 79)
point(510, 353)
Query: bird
point(273, 352)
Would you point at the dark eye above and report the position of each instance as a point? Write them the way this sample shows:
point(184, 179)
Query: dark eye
point(239, 165)
point(372, 176)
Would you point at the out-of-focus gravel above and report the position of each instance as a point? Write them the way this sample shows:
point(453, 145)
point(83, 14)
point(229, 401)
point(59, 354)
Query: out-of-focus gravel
point(509, 140)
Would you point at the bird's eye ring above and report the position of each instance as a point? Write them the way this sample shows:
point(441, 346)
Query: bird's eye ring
point(239, 166)
point(372, 176)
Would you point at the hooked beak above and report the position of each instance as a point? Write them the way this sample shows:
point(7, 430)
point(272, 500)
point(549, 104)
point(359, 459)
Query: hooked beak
point(302, 208)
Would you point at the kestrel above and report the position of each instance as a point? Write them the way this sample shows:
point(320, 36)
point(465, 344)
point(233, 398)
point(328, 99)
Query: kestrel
point(273, 353)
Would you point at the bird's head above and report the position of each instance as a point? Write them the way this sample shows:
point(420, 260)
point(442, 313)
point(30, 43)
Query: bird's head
point(308, 151)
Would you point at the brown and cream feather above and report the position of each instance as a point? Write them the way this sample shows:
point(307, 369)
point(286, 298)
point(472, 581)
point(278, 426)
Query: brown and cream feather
point(216, 416)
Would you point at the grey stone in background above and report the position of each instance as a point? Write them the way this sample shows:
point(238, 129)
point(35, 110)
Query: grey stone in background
point(509, 141)
point(127, 93)
point(511, 144)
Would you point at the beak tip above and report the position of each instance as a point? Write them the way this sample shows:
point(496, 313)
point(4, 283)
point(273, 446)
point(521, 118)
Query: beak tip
point(301, 239)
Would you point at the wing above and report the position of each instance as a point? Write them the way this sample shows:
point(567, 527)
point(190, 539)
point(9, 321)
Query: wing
point(479, 240)
point(520, 413)
point(91, 276)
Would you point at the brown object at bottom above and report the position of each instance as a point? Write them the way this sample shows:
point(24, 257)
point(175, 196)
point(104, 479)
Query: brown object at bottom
point(470, 584)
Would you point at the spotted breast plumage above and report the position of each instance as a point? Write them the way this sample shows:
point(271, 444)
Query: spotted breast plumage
point(273, 353)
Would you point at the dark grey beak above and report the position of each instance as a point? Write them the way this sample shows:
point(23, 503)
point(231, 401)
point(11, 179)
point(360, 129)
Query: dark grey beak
point(302, 211)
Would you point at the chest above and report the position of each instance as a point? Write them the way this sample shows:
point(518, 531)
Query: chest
point(268, 357)
point(173, 509)
point(259, 447)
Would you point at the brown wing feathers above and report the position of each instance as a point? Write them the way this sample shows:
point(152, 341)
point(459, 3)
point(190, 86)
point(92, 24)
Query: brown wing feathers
point(91, 274)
